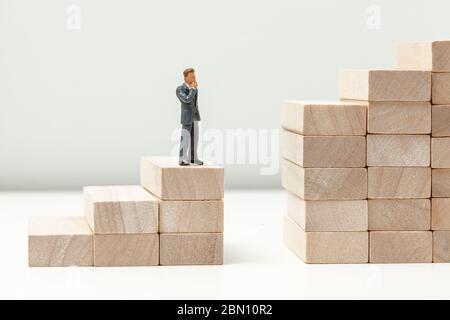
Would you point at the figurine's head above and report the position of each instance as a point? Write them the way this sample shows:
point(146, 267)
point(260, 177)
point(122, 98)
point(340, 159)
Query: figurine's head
point(189, 75)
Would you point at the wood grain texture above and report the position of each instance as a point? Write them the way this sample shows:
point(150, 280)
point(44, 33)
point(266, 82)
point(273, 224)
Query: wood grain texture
point(399, 117)
point(440, 214)
point(385, 85)
point(126, 250)
point(401, 247)
point(441, 246)
point(120, 209)
point(191, 249)
point(440, 121)
point(324, 151)
point(441, 183)
point(399, 215)
point(325, 183)
point(398, 150)
point(59, 242)
point(431, 56)
point(326, 247)
point(399, 183)
point(440, 153)
point(328, 216)
point(191, 216)
point(163, 177)
point(441, 88)
point(414, 56)
point(317, 118)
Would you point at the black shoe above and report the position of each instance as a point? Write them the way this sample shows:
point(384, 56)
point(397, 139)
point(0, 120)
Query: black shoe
point(184, 163)
point(197, 162)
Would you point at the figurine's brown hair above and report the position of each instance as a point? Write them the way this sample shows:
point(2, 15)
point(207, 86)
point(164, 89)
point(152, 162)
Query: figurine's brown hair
point(187, 71)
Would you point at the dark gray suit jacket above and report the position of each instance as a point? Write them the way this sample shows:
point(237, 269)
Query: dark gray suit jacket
point(189, 105)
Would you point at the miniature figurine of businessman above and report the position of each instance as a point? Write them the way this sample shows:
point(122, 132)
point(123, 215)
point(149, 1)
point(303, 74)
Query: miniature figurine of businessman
point(187, 93)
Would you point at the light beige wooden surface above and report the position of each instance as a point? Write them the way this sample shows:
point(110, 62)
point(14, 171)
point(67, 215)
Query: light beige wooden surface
point(441, 88)
point(328, 216)
point(191, 249)
point(324, 151)
point(59, 242)
point(432, 56)
point(441, 121)
point(325, 183)
point(414, 56)
point(163, 177)
point(326, 247)
point(191, 216)
point(398, 150)
point(399, 182)
point(321, 118)
point(441, 246)
point(385, 85)
point(122, 250)
point(399, 117)
point(441, 183)
point(120, 209)
point(440, 153)
point(401, 247)
point(399, 215)
point(440, 214)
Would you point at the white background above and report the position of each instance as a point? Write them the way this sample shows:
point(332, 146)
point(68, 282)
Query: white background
point(81, 107)
point(257, 264)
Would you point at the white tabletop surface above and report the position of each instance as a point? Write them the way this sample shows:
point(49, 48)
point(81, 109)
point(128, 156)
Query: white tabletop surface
point(257, 265)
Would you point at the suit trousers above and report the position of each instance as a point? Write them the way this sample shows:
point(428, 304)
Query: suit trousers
point(189, 142)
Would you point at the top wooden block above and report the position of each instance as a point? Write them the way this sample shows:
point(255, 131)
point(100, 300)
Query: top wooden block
point(316, 118)
point(385, 85)
point(121, 209)
point(163, 177)
point(430, 56)
point(58, 226)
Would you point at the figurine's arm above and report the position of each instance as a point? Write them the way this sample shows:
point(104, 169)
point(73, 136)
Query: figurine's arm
point(185, 98)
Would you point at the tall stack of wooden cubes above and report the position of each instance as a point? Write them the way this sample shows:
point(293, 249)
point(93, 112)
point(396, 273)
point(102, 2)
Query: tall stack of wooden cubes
point(408, 163)
point(324, 171)
point(398, 160)
point(435, 57)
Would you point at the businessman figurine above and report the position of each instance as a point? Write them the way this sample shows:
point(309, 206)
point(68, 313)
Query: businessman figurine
point(187, 93)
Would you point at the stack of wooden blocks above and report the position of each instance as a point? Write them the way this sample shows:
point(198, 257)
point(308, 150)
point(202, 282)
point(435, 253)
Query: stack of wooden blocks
point(176, 217)
point(379, 137)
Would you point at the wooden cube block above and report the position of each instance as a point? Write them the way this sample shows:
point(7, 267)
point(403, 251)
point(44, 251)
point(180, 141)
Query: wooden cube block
point(398, 150)
point(191, 249)
point(191, 216)
point(121, 209)
point(401, 247)
point(440, 209)
point(59, 242)
point(399, 215)
point(441, 246)
point(399, 117)
point(326, 247)
point(399, 183)
point(317, 118)
point(440, 153)
point(325, 151)
point(328, 216)
point(440, 121)
point(441, 183)
point(163, 177)
point(126, 250)
point(325, 183)
point(385, 85)
point(431, 56)
point(441, 88)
